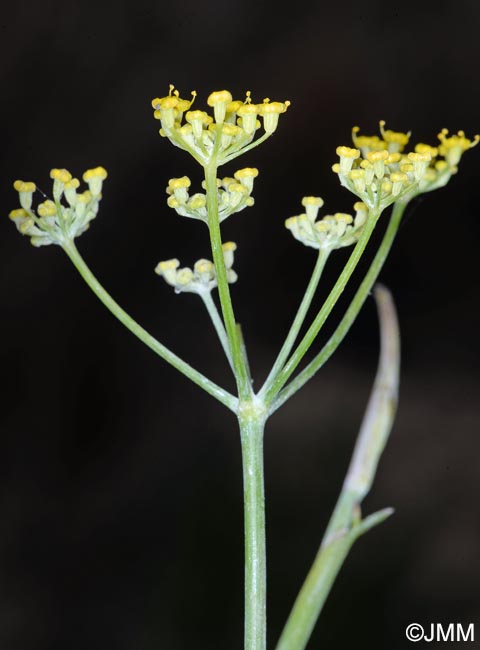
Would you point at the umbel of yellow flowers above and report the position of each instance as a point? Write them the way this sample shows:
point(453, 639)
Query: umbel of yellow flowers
point(55, 223)
point(377, 169)
point(379, 172)
point(221, 136)
point(202, 278)
point(234, 194)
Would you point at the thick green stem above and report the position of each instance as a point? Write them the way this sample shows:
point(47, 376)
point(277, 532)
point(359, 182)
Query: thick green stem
point(352, 312)
point(251, 430)
point(324, 312)
point(209, 386)
point(299, 318)
point(240, 370)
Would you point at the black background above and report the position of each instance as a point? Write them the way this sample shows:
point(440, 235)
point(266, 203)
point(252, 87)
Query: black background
point(121, 506)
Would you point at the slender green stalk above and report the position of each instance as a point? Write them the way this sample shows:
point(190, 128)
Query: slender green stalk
point(251, 430)
point(209, 386)
point(346, 525)
point(343, 530)
point(313, 594)
point(300, 316)
point(350, 315)
point(217, 323)
point(324, 312)
point(243, 384)
point(248, 147)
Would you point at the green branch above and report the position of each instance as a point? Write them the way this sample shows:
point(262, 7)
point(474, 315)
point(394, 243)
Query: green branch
point(299, 318)
point(217, 322)
point(240, 370)
point(209, 386)
point(350, 315)
point(324, 312)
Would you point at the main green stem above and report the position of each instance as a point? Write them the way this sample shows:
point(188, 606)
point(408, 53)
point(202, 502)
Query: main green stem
point(240, 370)
point(251, 432)
point(209, 386)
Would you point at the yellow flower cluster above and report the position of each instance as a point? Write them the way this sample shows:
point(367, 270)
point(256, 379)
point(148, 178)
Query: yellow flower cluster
point(201, 278)
point(234, 194)
point(330, 232)
point(379, 171)
point(52, 222)
point(222, 136)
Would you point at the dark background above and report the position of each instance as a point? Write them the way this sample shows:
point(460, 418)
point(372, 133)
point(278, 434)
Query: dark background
point(121, 506)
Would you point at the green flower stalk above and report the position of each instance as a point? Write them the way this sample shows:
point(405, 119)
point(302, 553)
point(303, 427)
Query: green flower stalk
point(380, 172)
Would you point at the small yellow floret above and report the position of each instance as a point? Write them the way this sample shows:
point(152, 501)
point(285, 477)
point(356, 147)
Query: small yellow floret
point(231, 130)
point(393, 158)
point(458, 140)
point(359, 206)
point(348, 152)
point(165, 103)
point(219, 96)
point(342, 217)
point(248, 109)
point(312, 200)
point(24, 186)
point(233, 107)
point(168, 265)
point(47, 209)
point(419, 157)
point(197, 202)
point(394, 136)
point(19, 213)
point(246, 172)
point(177, 183)
point(96, 172)
point(398, 177)
point(290, 222)
point(195, 115)
point(84, 197)
point(229, 246)
point(62, 175)
point(273, 107)
point(375, 156)
point(370, 142)
point(237, 188)
point(426, 148)
point(183, 277)
point(173, 202)
point(357, 174)
point(72, 184)
point(204, 266)
point(452, 147)
point(219, 100)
